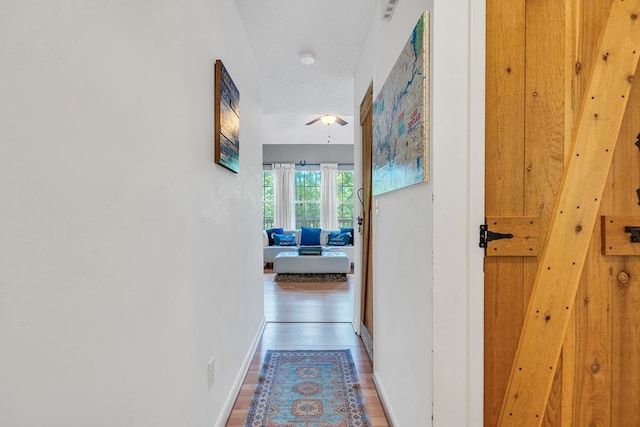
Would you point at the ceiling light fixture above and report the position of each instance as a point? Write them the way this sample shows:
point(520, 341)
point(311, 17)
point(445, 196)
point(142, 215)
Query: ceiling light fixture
point(307, 58)
point(328, 119)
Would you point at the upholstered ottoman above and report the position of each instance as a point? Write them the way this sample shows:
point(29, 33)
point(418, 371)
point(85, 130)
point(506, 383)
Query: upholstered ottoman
point(328, 262)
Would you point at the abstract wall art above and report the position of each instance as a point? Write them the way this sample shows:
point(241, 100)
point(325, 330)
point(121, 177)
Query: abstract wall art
point(227, 120)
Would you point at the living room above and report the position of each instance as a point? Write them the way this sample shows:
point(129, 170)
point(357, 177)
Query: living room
point(322, 188)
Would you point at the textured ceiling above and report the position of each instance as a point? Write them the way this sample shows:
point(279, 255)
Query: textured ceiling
point(280, 30)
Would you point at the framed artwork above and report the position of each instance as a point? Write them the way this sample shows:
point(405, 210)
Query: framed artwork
point(400, 148)
point(227, 120)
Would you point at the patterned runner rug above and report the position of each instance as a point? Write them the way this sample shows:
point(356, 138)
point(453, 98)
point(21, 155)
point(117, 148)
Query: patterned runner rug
point(308, 388)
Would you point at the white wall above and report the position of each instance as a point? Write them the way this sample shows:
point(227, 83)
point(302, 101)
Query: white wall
point(402, 252)
point(427, 267)
point(127, 257)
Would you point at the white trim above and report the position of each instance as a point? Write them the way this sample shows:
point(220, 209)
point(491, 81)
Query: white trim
point(355, 324)
point(458, 143)
point(225, 413)
point(382, 394)
point(357, 230)
point(367, 341)
point(475, 348)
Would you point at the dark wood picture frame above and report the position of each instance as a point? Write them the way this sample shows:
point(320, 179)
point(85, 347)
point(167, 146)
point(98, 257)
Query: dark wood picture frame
point(227, 120)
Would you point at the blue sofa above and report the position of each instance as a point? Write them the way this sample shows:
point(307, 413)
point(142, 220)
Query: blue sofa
point(271, 250)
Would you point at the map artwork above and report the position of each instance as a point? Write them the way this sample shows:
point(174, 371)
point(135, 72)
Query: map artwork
point(401, 117)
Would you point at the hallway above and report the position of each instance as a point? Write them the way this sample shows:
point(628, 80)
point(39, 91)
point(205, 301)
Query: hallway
point(320, 326)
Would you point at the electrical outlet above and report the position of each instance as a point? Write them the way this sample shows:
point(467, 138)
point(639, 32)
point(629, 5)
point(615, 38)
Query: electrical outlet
point(211, 372)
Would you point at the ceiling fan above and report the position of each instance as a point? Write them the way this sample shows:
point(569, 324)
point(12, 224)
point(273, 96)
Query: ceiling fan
point(328, 119)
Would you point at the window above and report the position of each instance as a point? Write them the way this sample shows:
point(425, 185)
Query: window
point(307, 201)
point(267, 200)
point(345, 199)
point(308, 197)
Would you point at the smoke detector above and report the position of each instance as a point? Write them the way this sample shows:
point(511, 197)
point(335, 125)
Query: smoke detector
point(308, 58)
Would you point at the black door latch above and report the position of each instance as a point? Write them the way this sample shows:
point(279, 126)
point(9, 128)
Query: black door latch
point(635, 233)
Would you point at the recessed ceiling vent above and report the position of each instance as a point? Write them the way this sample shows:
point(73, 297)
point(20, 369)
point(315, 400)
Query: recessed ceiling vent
point(388, 6)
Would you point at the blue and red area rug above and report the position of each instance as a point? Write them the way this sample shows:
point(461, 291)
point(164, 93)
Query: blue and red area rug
point(308, 388)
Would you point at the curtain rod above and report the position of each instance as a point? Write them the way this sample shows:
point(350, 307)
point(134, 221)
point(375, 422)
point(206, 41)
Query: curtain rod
point(303, 163)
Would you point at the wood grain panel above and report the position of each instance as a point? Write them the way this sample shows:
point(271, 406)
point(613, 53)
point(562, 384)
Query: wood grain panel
point(503, 311)
point(615, 239)
point(572, 20)
point(526, 234)
point(573, 220)
point(569, 375)
point(593, 301)
point(597, 381)
point(544, 137)
point(625, 343)
point(505, 109)
point(567, 362)
point(590, 386)
point(624, 179)
point(593, 355)
point(504, 168)
point(593, 18)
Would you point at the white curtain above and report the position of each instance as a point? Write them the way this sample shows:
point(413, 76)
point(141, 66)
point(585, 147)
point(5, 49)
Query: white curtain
point(284, 195)
point(329, 196)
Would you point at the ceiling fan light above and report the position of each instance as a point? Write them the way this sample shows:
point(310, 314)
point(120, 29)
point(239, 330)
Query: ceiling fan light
point(307, 58)
point(328, 119)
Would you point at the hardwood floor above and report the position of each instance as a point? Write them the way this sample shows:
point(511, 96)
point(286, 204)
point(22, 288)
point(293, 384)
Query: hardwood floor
point(308, 302)
point(321, 325)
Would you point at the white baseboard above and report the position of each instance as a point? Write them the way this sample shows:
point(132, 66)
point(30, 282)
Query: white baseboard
point(356, 328)
point(225, 413)
point(367, 341)
point(391, 417)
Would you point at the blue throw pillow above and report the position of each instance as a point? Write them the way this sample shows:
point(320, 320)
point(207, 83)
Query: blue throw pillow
point(284, 239)
point(310, 236)
point(270, 232)
point(338, 239)
point(349, 231)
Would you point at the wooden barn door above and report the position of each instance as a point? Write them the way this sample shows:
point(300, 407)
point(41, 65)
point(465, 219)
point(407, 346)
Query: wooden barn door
point(366, 121)
point(540, 56)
